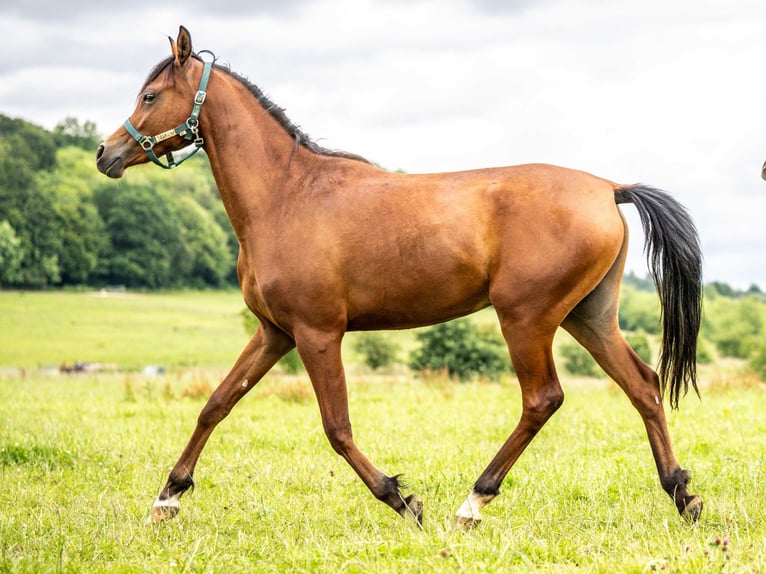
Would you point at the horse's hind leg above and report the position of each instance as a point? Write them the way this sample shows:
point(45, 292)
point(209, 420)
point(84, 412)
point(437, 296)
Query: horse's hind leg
point(541, 396)
point(594, 324)
point(266, 347)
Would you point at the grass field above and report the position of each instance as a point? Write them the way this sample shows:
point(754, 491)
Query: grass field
point(83, 457)
point(131, 330)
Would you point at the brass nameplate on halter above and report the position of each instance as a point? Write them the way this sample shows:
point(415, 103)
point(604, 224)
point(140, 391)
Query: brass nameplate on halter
point(165, 135)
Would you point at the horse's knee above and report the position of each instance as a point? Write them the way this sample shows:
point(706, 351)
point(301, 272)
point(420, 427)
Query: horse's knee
point(540, 407)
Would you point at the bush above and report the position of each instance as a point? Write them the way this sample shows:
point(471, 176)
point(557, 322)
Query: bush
point(463, 349)
point(640, 343)
point(639, 311)
point(704, 356)
point(735, 326)
point(376, 349)
point(578, 361)
point(291, 363)
point(757, 362)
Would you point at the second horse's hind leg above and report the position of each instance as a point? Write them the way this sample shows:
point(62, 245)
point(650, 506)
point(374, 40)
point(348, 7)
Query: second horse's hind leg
point(599, 334)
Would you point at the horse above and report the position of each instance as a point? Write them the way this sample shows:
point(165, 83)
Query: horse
point(330, 243)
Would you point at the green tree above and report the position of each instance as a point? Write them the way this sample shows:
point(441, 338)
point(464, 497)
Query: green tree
point(83, 236)
point(150, 230)
point(11, 254)
point(195, 181)
point(207, 260)
point(28, 143)
point(31, 213)
point(25, 149)
point(83, 241)
point(735, 326)
point(70, 132)
point(145, 237)
point(462, 349)
point(718, 288)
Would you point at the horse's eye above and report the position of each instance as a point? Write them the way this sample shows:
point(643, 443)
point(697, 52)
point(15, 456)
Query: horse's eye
point(149, 98)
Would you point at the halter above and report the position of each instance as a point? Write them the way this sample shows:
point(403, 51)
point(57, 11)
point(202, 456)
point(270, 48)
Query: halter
point(189, 130)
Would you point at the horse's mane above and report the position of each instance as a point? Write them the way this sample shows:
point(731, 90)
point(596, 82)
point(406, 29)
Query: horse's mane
point(274, 110)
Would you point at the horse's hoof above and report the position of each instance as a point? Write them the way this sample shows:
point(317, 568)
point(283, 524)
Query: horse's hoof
point(163, 510)
point(466, 523)
point(414, 507)
point(692, 508)
point(468, 516)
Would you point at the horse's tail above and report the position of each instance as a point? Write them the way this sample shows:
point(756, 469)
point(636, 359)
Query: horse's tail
point(675, 262)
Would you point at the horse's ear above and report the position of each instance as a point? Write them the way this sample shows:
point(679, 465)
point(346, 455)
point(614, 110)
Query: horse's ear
point(182, 47)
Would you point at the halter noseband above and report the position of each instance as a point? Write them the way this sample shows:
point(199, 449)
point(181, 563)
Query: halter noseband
point(189, 130)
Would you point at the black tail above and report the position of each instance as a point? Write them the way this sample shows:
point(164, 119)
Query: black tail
point(675, 262)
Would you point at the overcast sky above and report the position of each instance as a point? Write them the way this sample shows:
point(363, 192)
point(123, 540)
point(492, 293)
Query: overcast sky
point(666, 92)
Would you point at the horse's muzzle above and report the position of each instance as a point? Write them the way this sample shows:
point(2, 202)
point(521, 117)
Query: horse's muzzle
point(110, 166)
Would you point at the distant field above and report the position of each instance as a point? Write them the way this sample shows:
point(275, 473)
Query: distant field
point(131, 330)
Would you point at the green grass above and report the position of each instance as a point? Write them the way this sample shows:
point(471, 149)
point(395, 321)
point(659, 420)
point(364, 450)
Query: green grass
point(82, 458)
point(130, 330)
point(133, 330)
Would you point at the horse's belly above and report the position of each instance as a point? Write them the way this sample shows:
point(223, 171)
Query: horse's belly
point(398, 304)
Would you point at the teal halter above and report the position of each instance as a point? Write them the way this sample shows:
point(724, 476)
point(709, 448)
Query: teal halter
point(189, 130)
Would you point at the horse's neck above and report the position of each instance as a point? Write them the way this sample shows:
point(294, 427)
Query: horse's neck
point(252, 157)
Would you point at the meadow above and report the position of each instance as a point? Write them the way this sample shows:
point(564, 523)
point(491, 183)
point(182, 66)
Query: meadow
point(42, 329)
point(82, 458)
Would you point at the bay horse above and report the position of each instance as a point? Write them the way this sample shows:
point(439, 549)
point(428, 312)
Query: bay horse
point(331, 243)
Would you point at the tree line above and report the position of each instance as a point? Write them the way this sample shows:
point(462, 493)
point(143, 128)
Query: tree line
point(64, 224)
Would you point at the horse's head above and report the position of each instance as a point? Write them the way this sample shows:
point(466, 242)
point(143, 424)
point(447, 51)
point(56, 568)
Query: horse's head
point(166, 118)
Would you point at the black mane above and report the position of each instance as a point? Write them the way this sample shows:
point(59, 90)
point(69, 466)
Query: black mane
point(274, 110)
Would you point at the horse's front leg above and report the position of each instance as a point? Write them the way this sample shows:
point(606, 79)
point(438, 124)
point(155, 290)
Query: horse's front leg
point(321, 355)
point(266, 347)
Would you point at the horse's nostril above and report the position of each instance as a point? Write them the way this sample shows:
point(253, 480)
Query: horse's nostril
point(100, 151)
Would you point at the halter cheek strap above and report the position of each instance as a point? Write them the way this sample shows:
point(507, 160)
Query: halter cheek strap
point(189, 130)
